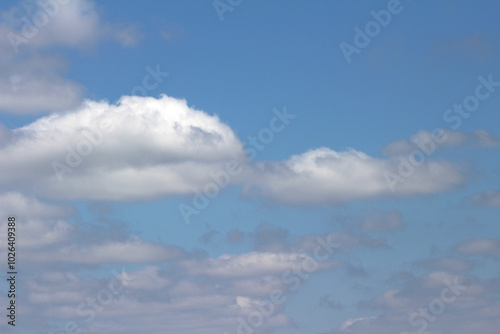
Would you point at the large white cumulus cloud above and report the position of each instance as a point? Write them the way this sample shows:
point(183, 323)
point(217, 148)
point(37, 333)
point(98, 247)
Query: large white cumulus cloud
point(139, 148)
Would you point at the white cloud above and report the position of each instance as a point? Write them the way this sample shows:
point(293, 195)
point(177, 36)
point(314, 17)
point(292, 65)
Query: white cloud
point(72, 24)
point(30, 207)
point(42, 223)
point(36, 84)
point(156, 147)
point(31, 35)
point(324, 176)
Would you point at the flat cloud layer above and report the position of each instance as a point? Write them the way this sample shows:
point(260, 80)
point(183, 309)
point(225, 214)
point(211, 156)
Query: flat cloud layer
point(140, 148)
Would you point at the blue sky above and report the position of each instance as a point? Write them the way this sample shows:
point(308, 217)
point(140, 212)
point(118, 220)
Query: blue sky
point(218, 153)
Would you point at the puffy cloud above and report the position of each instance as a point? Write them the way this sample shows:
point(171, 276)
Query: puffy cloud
point(140, 148)
point(32, 76)
point(30, 207)
point(73, 24)
point(42, 223)
point(37, 84)
point(325, 176)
